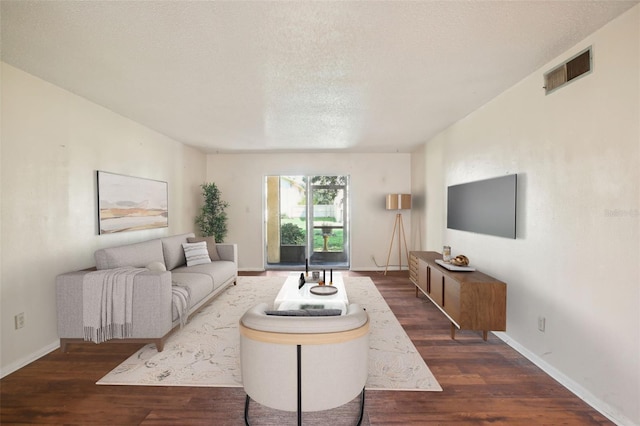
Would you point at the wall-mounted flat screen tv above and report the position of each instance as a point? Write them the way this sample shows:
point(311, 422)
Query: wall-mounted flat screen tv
point(485, 206)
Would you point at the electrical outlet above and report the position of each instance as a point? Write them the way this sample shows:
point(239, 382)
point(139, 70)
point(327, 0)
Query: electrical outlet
point(541, 323)
point(19, 319)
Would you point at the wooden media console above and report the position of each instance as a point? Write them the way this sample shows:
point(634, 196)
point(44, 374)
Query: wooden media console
point(471, 300)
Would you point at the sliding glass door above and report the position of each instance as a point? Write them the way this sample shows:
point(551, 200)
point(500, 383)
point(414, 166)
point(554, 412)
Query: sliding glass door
point(306, 221)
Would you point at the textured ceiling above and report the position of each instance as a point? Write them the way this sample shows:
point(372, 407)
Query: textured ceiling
point(294, 76)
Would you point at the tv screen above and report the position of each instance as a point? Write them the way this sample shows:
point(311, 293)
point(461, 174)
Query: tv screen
point(485, 206)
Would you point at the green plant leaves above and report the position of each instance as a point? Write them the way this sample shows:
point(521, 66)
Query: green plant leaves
point(291, 233)
point(212, 219)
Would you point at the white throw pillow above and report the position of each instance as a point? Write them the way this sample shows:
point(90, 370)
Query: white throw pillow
point(156, 267)
point(211, 246)
point(196, 253)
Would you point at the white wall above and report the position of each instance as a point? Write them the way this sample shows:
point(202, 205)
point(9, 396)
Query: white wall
point(52, 144)
point(576, 257)
point(241, 180)
point(418, 201)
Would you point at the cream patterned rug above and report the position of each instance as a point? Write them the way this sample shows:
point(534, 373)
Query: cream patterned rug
point(206, 351)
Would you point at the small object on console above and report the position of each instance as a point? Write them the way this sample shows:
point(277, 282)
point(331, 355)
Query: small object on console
point(460, 260)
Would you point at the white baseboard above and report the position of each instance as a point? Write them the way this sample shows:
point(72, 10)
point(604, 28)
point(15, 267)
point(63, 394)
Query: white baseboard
point(605, 409)
point(365, 269)
point(24, 361)
point(377, 269)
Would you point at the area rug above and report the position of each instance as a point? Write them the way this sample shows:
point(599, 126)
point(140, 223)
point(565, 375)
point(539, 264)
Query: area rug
point(206, 351)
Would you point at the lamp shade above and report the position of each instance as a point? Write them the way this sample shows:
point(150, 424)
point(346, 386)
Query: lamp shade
point(398, 201)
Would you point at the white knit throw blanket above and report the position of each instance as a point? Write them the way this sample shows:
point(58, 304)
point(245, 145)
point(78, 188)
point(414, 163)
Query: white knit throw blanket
point(107, 305)
point(181, 298)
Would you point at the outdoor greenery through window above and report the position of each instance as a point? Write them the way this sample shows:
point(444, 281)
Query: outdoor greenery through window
point(306, 221)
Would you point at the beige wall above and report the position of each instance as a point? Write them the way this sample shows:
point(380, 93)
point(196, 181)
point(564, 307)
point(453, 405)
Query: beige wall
point(241, 178)
point(419, 201)
point(52, 144)
point(576, 258)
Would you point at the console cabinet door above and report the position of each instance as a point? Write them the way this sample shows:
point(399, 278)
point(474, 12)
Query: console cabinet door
point(452, 299)
point(422, 275)
point(436, 285)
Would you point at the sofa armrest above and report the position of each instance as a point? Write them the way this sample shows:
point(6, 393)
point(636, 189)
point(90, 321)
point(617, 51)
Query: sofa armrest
point(228, 252)
point(151, 304)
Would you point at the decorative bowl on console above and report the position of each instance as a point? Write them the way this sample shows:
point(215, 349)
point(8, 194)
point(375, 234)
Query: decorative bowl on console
point(460, 260)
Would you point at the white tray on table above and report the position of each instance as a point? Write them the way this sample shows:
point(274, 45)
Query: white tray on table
point(453, 267)
point(291, 297)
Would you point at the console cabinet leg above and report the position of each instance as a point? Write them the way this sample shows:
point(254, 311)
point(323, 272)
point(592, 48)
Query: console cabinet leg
point(453, 331)
point(485, 334)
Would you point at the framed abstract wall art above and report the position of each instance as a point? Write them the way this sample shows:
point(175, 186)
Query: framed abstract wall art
point(127, 203)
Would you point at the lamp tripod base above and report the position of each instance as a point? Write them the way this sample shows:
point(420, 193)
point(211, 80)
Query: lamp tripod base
point(401, 237)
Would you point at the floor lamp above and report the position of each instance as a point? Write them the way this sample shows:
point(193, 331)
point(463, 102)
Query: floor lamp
point(398, 202)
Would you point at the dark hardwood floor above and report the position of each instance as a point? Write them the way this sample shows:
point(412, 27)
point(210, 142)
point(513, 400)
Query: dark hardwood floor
point(483, 382)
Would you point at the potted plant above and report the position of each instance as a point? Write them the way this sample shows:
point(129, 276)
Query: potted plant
point(212, 219)
point(292, 239)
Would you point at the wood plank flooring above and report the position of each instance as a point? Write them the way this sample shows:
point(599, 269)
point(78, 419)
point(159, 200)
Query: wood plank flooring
point(483, 382)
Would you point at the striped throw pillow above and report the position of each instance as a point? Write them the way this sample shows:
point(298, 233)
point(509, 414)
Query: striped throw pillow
point(196, 253)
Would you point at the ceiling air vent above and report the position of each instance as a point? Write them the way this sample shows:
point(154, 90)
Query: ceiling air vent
point(575, 67)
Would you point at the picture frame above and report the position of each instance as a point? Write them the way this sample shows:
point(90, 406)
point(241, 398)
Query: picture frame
point(128, 203)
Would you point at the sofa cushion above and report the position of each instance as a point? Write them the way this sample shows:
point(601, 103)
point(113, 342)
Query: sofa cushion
point(173, 251)
point(196, 253)
point(199, 285)
point(306, 313)
point(137, 255)
point(257, 319)
point(219, 271)
point(156, 267)
point(211, 245)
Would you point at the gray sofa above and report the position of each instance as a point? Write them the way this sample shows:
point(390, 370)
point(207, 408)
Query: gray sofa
point(153, 312)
